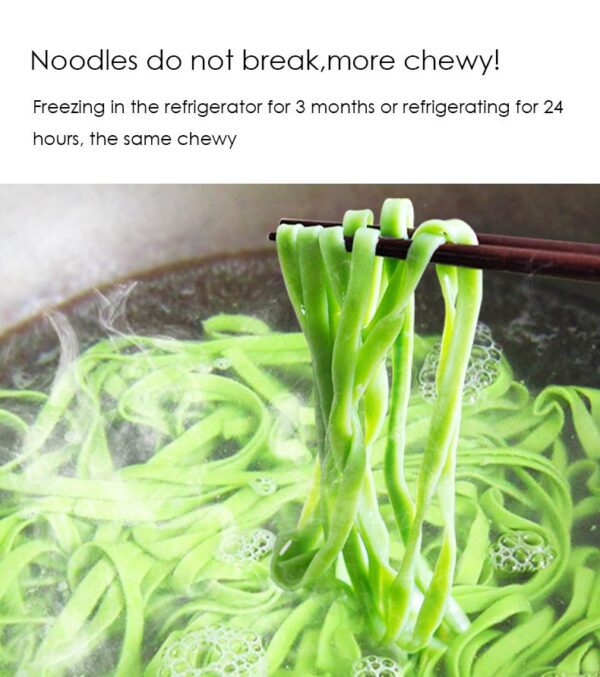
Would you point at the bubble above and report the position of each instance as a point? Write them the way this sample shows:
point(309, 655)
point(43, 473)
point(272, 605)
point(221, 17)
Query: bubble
point(264, 486)
point(214, 650)
point(521, 552)
point(375, 666)
point(245, 547)
point(21, 380)
point(482, 370)
point(222, 363)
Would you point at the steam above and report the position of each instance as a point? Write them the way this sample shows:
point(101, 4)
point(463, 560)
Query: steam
point(113, 309)
point(69, 343)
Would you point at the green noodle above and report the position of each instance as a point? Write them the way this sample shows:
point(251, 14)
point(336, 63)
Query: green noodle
point(369, 529)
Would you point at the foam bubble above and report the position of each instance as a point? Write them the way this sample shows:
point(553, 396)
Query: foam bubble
point(264, 486)
point(72, 436)
point(222, 363)
point(521, 552)
point(21, 380)
point(375, 666)
point(245, 547)
point(482, 370)
point(217, 651)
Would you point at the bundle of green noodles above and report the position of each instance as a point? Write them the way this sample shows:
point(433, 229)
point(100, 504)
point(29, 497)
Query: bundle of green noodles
point(353, 311)
point(187, 508)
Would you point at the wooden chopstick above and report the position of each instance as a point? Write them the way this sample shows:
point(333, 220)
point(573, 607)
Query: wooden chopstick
point(524, 255)
point(487, 238)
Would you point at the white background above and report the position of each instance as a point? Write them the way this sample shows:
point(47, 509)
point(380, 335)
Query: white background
point(549, 50)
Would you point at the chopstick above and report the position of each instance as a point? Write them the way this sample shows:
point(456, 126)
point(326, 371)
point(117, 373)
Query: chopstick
point(523, 255)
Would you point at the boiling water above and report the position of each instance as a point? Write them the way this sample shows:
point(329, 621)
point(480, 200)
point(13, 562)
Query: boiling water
point(133, 536)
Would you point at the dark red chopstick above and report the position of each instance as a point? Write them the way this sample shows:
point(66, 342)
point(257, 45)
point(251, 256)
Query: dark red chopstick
point(527, 256)
point(487, 238)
